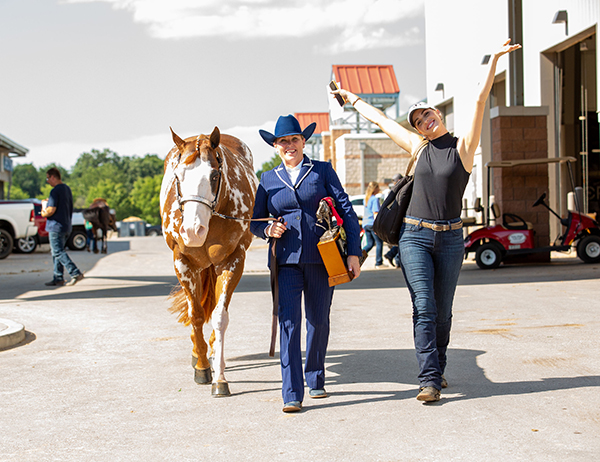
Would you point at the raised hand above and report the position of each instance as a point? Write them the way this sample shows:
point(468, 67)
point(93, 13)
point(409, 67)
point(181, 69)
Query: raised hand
point(507, 48)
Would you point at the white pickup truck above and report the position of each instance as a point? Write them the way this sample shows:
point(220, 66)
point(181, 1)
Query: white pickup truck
point(17, 220)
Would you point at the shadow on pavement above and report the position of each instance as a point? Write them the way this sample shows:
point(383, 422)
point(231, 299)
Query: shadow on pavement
point(152, 286)
point(371, 367)
point(471, 275)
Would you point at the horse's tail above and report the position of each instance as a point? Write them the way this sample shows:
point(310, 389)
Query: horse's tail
point(179, 305)
point(207, 299)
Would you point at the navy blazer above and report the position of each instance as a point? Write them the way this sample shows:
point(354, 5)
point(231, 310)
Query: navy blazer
point(277, 197)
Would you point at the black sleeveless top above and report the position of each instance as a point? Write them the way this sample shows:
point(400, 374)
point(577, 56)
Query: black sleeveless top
point(440, 181)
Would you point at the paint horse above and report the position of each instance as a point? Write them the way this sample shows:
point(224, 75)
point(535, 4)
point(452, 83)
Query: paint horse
point(101, 218)
point(206, 201)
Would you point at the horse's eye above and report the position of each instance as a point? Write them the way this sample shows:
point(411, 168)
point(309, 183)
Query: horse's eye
point(214, 176)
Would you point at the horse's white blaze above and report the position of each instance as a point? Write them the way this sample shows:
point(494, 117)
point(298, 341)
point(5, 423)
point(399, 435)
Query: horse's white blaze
point(195, 181)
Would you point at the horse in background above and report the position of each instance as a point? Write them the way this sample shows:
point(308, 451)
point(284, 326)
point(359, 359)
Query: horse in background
point(101, 218)
point(207, 181)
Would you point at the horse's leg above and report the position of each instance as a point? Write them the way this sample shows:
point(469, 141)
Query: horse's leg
point(104, 239)
point(228, 277)
point(190, 281)
point(95, 239)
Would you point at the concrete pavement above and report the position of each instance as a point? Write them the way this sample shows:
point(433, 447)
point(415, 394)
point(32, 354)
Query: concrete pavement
point(104, 370)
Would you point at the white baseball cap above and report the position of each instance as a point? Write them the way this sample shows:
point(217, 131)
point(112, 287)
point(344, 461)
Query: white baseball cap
point(416, 107)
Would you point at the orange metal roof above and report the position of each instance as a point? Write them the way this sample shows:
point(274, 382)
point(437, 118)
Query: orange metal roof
point(367, 79)
point(306, 118)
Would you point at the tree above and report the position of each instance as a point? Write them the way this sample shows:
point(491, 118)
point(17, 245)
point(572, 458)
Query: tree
point(16, 193)
point(91, 169)
point(117, 196)
point(25, 177)
point(140, 167)
point(269, 165)
point(146, 198)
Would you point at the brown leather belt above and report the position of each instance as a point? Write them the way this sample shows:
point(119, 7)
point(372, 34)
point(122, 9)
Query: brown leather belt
point(434, 226)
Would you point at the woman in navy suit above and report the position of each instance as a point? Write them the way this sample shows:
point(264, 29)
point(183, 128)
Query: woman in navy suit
point(292, 191)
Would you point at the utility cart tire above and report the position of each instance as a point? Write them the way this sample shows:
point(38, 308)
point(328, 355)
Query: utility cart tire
point(588, 249)
point(488, 256)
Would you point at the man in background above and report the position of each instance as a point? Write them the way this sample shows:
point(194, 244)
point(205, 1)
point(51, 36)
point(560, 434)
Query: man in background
point(59, 211)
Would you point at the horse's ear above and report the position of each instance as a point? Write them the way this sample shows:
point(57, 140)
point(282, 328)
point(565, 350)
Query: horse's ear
point(215, 138)
point(178, 141)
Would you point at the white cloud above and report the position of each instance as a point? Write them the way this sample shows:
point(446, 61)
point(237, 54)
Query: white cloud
point(363, 38)
point(353, 24)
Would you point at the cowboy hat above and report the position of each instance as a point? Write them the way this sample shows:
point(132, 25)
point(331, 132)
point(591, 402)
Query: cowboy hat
point(285, 126)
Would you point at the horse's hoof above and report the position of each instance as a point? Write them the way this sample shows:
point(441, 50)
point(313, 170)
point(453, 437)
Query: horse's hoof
point(103, 251)
point(95, 250)
point(202, 376)
point(220, 390)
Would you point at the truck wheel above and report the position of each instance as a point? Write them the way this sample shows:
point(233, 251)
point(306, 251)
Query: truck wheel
point(588, 249)
point(488, 256)
point(26, 244)
point(6, 244)
point(77, 240)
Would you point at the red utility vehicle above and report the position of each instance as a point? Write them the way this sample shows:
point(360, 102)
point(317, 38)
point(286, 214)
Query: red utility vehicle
point(514, 236)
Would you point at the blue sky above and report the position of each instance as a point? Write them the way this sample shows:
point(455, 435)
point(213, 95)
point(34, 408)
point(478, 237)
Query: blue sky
point(93, 74)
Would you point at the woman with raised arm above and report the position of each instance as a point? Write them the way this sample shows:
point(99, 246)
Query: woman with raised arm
point(431, 240)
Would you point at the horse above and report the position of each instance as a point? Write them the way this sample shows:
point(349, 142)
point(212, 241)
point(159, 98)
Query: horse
point(101, 218)
point(206, 202)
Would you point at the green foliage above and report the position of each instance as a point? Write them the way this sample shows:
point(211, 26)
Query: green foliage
point(45, 192)
point(130, 185)
point(269, 165)
point(16, 193)
point(25, 178)
point(146, 197)
point(116, 194)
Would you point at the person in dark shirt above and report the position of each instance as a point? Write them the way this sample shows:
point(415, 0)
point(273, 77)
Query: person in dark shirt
point(58, 212)
point(431, 242)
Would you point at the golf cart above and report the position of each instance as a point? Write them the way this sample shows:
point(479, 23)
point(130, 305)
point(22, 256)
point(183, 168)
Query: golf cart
point(515, 236)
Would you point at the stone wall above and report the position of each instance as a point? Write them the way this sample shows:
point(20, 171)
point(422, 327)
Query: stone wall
point(516, 137)
point(382, 160)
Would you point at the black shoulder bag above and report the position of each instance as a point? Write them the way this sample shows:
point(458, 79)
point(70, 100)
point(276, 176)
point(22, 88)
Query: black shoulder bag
point(391, 214)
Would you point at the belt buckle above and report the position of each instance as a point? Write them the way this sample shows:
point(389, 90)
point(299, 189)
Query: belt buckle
point(437, 227)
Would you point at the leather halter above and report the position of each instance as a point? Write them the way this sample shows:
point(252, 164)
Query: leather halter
point(202, 200)
point(194, 198)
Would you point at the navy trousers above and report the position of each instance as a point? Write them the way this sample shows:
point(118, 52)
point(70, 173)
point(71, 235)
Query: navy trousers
point(312, 281)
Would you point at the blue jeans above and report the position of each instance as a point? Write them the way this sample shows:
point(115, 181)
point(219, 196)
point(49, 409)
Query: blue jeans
point(373, 240)
point(61, 260)
point(431, 262)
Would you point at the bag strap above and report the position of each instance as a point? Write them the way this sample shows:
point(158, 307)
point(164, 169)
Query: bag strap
point(415, 155)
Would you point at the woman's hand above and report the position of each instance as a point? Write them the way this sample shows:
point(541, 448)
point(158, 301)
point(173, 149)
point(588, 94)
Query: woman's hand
point(348, 96)
point(354, 265)
point(275, 229)
point(506, 48)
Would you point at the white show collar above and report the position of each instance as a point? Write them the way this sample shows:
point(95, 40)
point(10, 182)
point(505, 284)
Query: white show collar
point(307, 162)
point(294, 172)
